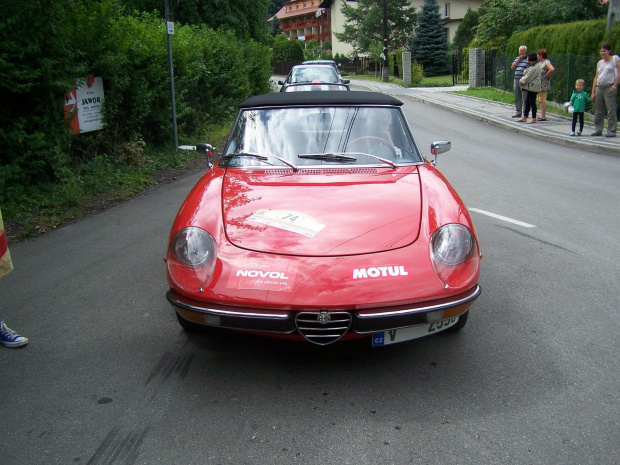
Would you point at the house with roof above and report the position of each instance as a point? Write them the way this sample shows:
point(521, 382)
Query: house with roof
point(305, 20)
point(318, 19)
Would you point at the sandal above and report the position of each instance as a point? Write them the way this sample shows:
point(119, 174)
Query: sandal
point(521, 120)
point(530, 122)
point(541, 119)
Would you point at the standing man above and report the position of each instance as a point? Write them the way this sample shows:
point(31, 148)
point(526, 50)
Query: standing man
point(605, 92)
point(519, 66)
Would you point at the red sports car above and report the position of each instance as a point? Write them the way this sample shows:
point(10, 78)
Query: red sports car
point(322, 221)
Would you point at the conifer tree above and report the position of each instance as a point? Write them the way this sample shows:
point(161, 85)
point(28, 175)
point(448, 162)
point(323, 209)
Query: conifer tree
point(430, 44)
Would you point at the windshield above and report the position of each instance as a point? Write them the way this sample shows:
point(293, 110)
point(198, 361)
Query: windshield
point(314, 87)
point(321, 136)
point(317, 73)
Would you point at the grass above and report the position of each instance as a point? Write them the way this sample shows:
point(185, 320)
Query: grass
point(94, 185)
point(489, 93)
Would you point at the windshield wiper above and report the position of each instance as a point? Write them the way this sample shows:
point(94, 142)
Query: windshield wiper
point(326, 156)
point(387, 162)
point(261, 157)
point(342, 157)
point(245, 154)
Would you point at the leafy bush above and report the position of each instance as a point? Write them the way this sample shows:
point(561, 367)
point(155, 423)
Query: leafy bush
point(580, 38)
point(46, 46)
point(417, 72)
point(287, 50)
point(312, 50)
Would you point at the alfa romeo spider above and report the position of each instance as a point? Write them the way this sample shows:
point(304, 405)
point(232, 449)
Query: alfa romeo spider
point(321, 221)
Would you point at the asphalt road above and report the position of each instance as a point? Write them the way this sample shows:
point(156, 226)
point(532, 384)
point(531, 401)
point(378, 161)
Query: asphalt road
point(110, 378)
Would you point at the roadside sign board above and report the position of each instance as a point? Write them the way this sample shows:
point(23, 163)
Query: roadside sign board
point(84, 105)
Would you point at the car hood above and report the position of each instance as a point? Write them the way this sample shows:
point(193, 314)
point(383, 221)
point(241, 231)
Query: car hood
point(322, 212)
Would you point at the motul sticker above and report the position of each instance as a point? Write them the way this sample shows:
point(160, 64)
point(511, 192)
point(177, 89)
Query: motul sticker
point(264, 275)
point(295, 222)
point(379, 272)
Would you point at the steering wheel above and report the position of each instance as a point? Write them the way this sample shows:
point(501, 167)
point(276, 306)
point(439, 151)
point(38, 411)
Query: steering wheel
point(375, 142)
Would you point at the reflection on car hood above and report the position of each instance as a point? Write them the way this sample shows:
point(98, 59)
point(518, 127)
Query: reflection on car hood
point(323, 211)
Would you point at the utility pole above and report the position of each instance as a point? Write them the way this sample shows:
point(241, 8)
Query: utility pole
point(170, 31)
point(613, 14)
point(385, 44)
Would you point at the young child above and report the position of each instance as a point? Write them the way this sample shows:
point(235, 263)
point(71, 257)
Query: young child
point(578, 101)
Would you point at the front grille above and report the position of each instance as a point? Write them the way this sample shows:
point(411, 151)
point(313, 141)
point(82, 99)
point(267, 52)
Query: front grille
point(323, 328)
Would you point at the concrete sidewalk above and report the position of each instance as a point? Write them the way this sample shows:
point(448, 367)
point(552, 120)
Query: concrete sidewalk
point(556, 129)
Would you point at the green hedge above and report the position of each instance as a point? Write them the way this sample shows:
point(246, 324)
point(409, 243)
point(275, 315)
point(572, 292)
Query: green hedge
point(45, 45)
point(579, 38)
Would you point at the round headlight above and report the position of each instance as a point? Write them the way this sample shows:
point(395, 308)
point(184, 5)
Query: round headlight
point(193, 247)
point(454, 254)
point(452, 244)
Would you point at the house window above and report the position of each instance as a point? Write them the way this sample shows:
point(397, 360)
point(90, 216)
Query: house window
point(446, 10)
point(312, 3)
point(305, 4)
point(297, 5)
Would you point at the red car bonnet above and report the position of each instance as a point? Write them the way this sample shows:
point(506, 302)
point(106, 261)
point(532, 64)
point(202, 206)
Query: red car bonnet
point(322, 212)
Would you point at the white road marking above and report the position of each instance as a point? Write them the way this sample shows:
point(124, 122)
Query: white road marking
point(503, 218)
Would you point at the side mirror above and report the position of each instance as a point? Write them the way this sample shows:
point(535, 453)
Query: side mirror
point(440, 146)
point(281, 83)
point(345, 81)
point(206, 150)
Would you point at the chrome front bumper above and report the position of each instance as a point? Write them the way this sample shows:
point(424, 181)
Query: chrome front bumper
point(283, 321)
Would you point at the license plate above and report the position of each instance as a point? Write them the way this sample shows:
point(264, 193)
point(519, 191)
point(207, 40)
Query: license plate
point(392, 336)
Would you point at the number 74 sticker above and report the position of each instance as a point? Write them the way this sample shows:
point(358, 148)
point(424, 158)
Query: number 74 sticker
point(392, 336)
point(292, 221)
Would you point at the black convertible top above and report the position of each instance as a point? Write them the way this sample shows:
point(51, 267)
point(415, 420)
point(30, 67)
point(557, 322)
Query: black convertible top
point(279, 99)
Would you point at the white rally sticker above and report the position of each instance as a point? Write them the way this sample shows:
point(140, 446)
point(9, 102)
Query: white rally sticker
point(264, 275)
point(379, 271)
point(292, 221)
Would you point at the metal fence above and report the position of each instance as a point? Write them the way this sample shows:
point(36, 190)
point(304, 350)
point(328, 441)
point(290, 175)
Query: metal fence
point(460, 66)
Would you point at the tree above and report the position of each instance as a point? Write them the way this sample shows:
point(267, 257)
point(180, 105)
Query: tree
point(364, 24)
point(465, 33)
point(287, 50)
point(246, 18)
point(312, 51)
point(430, 44)
point(45, 46)
point(274, 7)
point(274, 27)
point(502, 18)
